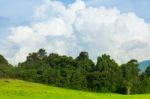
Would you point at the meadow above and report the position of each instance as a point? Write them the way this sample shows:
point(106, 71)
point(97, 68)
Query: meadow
point(18, 89)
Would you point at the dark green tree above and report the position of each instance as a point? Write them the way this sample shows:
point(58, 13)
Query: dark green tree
point(144, 86)
point(108, 74)
point(147, 71)
point(3, 60)
point(130, 75)
point(6, 70)
point(83, 62)
point(84, 67)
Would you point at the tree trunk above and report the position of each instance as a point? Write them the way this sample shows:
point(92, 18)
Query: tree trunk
point(128, 90)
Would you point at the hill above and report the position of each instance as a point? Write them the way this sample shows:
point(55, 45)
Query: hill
point(143, 65)
point(17, 89)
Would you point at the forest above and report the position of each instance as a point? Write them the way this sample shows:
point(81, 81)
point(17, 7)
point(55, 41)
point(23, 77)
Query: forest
point(80, 73)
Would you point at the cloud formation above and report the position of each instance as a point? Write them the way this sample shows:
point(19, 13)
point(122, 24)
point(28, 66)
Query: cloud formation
point(77, 27)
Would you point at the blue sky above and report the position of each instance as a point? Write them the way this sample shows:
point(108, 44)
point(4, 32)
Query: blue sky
point(140, 7)
point(20, 13)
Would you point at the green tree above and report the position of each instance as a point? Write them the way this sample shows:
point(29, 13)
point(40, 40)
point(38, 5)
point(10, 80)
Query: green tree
point(84, 67)
point(6, 70)
point(108, 74)
point(144, 86)
point(130, 75)
point(78, 80)
point(147, 71)
point(3, 60)
point(83, 62)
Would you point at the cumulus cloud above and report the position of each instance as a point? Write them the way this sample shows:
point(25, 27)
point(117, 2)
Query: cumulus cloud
point(109, 30)
point(42, 34)
point(76, 27)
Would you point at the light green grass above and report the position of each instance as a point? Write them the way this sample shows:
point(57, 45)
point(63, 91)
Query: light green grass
point(17, 89)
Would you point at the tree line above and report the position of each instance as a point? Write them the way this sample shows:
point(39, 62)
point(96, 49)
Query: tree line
point(80, 73)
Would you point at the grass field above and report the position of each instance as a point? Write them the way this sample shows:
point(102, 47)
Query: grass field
point(17, 89)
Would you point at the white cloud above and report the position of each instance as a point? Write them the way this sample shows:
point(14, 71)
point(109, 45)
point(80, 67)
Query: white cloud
point(41, 34)
point(76, 27)
point(107, 30)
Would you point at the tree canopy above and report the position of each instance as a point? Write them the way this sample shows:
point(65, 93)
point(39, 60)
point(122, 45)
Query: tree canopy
point(81, 73)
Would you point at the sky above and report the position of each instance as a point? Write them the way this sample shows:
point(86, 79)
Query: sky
point(120, 28)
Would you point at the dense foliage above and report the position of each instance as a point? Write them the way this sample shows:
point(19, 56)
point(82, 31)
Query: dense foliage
point(80, 73)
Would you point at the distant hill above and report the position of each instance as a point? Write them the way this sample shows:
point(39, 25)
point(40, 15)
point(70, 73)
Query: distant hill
point(144, 64)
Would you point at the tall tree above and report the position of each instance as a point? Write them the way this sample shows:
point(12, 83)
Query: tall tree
point(130, 74)
point(84, 63)
point(3, 60)
point(144, 86)
point(5, 68)
point(84, 67)
point(147, 71)
point(108, 73)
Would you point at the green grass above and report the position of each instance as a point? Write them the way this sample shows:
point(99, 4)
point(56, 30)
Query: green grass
point(17, 89)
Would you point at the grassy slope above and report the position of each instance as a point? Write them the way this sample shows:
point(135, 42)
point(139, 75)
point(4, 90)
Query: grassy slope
point(16, 89)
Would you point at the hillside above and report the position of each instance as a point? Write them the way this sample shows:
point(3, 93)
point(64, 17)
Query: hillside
point(17, 89)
